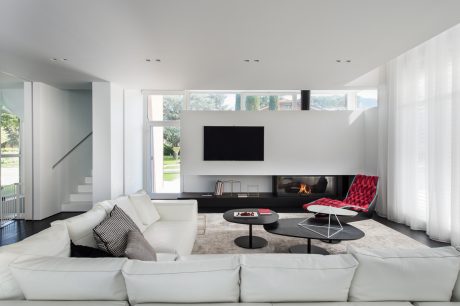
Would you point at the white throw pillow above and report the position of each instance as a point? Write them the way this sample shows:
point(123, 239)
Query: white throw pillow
point(53, 241)
point(53, 278)
point(144, 207)
point(107, 205)
point(424, 274)
point(296, 277)
point(127, 206)
point(206, 281)
point(81, 227)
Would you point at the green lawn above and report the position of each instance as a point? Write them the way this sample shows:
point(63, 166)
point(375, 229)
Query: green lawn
point(171, 168)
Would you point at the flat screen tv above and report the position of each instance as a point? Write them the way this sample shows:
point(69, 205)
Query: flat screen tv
point(245, 143)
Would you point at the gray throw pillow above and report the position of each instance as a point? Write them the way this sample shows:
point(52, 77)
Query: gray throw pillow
point(139, 248)
point(112, 234)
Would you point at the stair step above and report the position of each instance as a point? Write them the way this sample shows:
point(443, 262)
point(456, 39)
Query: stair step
point(88, 180)
point(81, 197)
point(85, 188)
point(76, 206)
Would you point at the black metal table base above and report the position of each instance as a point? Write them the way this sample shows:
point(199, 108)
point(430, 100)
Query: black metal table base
point(308, 249)
point(250, 242)
point(330, 241)
point(245, 242)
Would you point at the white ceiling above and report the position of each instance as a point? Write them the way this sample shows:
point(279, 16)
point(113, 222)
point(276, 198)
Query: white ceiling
point(202, 43)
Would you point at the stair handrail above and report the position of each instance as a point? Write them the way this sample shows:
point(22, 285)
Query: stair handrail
point(71, 150)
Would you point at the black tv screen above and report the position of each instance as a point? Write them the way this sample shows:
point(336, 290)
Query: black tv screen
point(234, 143)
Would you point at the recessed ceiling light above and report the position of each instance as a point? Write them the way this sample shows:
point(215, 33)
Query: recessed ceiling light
point(257, 60)
point(53, 59)
point(338, 61)
point(158, 60)
point(65, 59)
point(247, 60)
point(344, 61)
point(148, 60)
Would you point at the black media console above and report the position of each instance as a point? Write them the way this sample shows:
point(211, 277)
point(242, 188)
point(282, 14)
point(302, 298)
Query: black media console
point(276, 200)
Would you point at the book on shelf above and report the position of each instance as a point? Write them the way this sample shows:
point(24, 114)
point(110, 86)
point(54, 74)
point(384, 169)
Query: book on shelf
point(264, 211)
point(245, 214)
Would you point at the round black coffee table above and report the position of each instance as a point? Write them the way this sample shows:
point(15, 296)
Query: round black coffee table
point(250, 242)
point(291, 228)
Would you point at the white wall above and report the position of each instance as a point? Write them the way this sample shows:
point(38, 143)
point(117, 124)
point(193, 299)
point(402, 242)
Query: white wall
point(296, 143)
point(101, 141)
point(371, 124)
point(117, 141)
point(61, 118)
point(133, 144)
point(107, 141)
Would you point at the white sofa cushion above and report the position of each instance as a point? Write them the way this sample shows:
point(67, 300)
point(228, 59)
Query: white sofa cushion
point(296, 277)
point(207, 281)
point(127, 206)
point(423, 274)
point(144, 207)
point(9, 288)
point(53, 241)
point(346, 304)
point(206, 304)
point(81, 227)
point(54, 278)
point(172, 236)
point(64, 303)
point(437, 303)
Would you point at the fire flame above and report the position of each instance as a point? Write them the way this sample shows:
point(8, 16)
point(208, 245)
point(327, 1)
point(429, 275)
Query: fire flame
point(304, 189)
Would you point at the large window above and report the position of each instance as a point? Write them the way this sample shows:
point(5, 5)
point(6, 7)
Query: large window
point(271, 102)
point(332, 100)
point(214, 101)
point(164, 146)
point(10, 148)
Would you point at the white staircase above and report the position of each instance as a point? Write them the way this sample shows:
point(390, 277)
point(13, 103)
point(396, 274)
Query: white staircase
point(83, 199)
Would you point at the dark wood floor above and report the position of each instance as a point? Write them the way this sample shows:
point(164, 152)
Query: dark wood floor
point(21, 229)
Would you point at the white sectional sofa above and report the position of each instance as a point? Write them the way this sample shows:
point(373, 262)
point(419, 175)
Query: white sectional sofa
point(38, 271)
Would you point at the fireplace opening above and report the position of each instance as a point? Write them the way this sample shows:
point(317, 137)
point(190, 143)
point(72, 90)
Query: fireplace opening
point(305, 186)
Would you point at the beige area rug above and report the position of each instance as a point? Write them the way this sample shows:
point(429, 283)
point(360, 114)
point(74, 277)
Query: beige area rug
point(215, 236)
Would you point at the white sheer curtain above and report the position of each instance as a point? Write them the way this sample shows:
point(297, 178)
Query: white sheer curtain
point(419, 135)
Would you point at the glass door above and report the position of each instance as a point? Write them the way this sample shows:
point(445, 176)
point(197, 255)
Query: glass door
point(163, 114)
point(11, 111)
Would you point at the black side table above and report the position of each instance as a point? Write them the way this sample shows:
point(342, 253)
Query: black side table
point(291, 228)
point(250, 241)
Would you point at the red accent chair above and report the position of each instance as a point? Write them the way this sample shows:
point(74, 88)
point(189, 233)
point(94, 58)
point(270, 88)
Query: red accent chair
point(361, 196)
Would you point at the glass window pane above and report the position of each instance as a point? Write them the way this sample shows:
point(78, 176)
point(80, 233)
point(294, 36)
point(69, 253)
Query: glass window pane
point(164, 107)
point(9, 133)
point(211, 102)
point(287, 102)
point(366, 99)
point(10, 170)
point(272, 102)
point(166, 159)
point(328, 101)
point(256, 103)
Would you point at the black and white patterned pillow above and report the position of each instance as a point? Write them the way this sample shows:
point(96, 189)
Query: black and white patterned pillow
point(112, 234)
